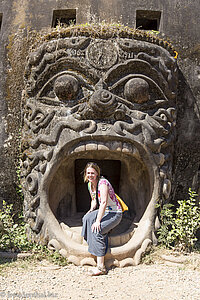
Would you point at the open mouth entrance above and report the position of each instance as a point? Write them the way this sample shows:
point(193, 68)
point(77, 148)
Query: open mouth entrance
point(69, 198)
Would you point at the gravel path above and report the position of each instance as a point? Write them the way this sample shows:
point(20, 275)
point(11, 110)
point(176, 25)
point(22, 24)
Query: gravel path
point(143, 282)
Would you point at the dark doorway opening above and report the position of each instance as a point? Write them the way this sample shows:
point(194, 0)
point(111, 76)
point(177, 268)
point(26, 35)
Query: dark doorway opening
point(64, 17)
point(110, 169)
point(148, 20)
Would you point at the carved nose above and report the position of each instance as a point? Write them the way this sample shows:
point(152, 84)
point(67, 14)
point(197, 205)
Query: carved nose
point(105, 96)
point(103, 101)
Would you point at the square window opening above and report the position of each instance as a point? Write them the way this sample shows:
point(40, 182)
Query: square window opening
point(148, 20)
point(64, 17)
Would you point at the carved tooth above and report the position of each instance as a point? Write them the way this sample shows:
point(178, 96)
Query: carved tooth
point(135, 152)
point(162, 174)
point(71, 151)
point(166, 188)
point(63, 252)
point(25, 164)
point(140, 251)
point(112, 262)
point(77, 238)
point(116, 146)
point(88, 261)
point(127, 262)
point(91, 146)
point(159, 158)
point(79, 148)
point(43, 167)
point(102, 147)
point(54, 245)
point(64, 226)
point(71, 234)
point(32, 182)
point(68, 233)
point(162, 159)
point(37, 168)
point(48, 155)
point(127, 148)
point(74, 260)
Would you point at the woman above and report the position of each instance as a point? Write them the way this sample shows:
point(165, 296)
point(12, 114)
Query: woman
point(98, 222)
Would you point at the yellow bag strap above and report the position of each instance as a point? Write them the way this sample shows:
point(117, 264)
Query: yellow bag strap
point(121, 202)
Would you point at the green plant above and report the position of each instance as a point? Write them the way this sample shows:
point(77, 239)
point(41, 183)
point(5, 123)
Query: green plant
point(12, 234)
point(167, 221)
point(54, 257)
point(13, 238)
point(178, 228)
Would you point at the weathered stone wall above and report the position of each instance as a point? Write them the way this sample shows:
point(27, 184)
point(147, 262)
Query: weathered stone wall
point(179, 22)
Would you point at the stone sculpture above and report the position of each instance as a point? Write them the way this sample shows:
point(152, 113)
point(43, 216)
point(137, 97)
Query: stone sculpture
point(97, 99)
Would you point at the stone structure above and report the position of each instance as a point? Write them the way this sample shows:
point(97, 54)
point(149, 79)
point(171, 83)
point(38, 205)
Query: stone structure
point(97, 99)
point(112, 98)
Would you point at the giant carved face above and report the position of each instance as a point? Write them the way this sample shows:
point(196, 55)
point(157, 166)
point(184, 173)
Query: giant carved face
point(111, 101)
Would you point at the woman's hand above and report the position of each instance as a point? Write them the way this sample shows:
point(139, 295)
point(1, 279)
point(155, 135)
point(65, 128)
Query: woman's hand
point(96, 227)
point(104, 200)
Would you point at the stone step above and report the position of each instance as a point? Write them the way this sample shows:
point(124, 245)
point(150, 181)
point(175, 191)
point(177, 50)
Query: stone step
point(75, 234)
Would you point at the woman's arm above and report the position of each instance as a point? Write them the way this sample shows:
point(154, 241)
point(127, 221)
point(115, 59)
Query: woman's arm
point(93, 205)
point(104, 200)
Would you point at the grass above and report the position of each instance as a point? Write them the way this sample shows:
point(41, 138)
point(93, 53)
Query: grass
point(42, 255)
point(7, 264)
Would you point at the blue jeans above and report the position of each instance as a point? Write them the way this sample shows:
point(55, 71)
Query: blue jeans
point(98, 241)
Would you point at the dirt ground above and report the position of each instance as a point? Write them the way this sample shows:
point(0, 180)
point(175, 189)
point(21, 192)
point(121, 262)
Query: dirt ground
point(167, 277)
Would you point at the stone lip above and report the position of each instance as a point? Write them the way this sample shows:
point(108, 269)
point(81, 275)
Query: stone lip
point(70, 243)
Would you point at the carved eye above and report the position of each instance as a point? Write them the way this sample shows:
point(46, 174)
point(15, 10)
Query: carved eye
point(66, 87)
point(137, 90)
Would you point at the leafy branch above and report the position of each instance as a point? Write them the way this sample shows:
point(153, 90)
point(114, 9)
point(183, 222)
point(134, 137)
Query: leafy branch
point(179, 228)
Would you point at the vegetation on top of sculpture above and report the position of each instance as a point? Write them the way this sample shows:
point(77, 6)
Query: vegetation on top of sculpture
point(108, 30)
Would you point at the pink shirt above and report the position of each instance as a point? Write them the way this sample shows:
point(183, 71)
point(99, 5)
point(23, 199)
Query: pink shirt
point(113, 204)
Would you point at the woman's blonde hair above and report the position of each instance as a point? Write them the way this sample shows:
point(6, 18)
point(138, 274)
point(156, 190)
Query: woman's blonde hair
point(91, 165)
